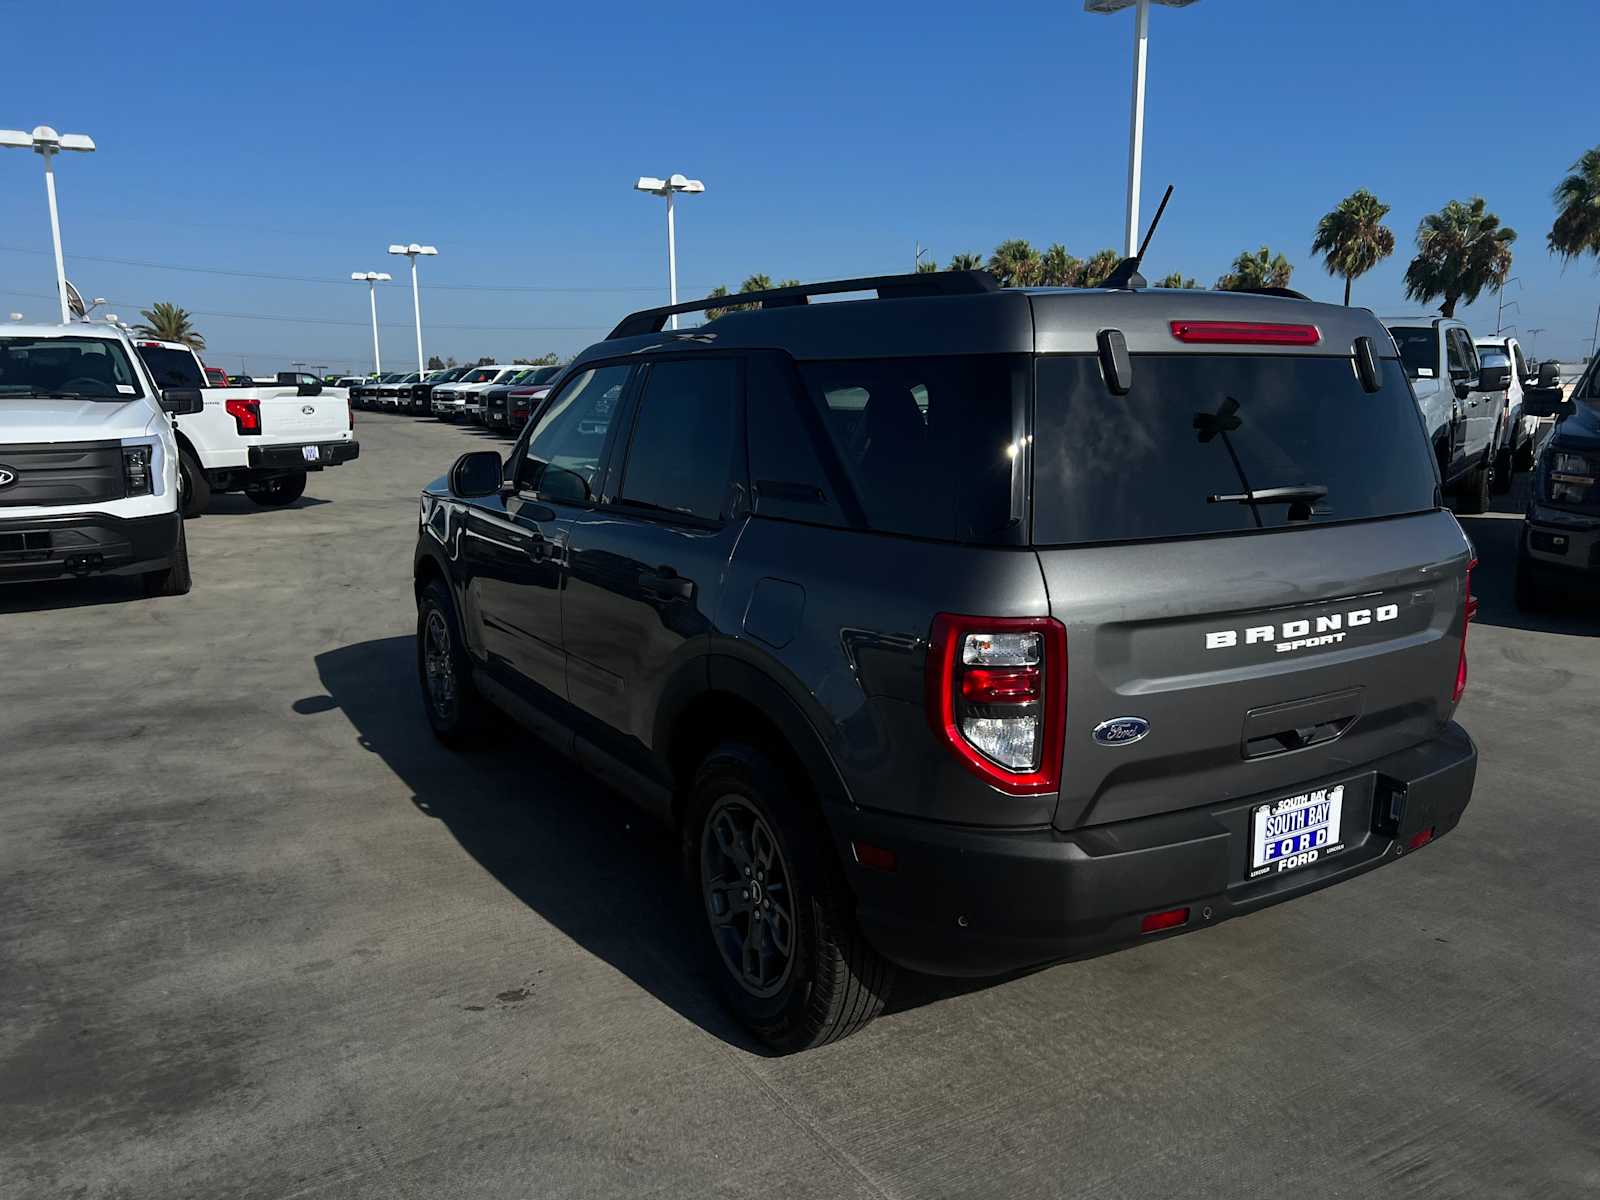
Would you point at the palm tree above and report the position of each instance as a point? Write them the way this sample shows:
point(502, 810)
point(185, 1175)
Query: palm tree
point(1461, 249)
point(966, 262)
point(1353, 239)
point(926, 266)
point(1177, 280)
point(757, 283)
point(1258, 270)
point(1057, 268)
point(1014, 263)
point(169, 323)
point(1577, 227)
point(1097, 267)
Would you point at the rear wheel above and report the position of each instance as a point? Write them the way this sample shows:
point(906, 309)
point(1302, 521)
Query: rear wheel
point(458, 715)
point(1473, 495)
point(174, 579)
point(196, 491)
point(275, 493)
point(791, 962)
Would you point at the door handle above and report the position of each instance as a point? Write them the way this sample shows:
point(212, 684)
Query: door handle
point(548, 549)
point(666, 583)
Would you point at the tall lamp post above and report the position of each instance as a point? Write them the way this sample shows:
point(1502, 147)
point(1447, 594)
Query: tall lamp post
point(669, 188)
point(373, 279)
point(1141, 48)
point(411, 252)
point(46, 143)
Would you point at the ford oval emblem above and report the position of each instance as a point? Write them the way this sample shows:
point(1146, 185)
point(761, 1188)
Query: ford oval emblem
point(1121, 731)
point(7, 477)
point(308, 410)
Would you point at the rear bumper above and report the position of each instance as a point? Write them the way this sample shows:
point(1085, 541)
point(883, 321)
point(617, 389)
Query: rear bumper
point(963, 901)
point(56, 547)
point(293, 457)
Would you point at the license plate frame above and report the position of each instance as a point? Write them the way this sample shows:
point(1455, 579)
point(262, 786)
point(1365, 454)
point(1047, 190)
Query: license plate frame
point(1295, 831)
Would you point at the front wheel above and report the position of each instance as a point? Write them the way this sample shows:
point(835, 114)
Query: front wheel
point(196, 491)
point(275, 493)
point(1473, 497)
point(173, 580)
point(1502, 471)
point(456, 712)
point(792, 964)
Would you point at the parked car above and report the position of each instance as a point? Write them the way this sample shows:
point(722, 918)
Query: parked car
point(216, 377)
point(1522, 430)
point(496, 410)
point(422, 391)
point(260, 440)
point(366, 396)
point(1560, 539)
point(240, 381)
point(89, 478)
point(449, 401)
point(967, 629)
point(470, 394)
point(1461, 407)
point(525, 404)
point(393, 393)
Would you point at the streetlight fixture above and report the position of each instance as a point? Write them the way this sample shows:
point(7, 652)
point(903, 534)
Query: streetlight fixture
point(1141, 48)
point(669, 187)
point(411, 252)
point(46, 142)
point(372, 280)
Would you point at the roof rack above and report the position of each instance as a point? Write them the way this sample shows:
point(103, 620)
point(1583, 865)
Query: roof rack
point(888, 287)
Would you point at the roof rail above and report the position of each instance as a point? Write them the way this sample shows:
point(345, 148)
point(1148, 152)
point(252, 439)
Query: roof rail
point(1282, 293)
point(888, 287)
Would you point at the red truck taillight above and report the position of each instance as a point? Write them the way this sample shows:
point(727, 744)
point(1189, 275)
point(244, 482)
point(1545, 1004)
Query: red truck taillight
point(1471, 611)
point(246, 414)
point(997, 696)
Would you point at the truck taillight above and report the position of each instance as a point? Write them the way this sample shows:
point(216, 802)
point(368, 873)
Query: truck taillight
point(350, 412)
point(1471, 610)
point(997, 696)
point(246, 414)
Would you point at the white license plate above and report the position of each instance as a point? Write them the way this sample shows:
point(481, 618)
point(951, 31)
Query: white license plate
point(311, 453)
point(1296, 831)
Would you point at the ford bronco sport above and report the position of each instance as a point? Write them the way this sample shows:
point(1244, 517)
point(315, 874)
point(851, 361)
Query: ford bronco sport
point(965, 629)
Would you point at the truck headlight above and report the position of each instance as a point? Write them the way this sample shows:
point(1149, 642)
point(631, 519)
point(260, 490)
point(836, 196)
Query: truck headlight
point(136, 470)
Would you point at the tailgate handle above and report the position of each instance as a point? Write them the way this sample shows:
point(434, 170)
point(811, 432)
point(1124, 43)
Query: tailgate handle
point(1280, 728)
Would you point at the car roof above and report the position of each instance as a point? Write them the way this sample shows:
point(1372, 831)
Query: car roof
point(76, 330)
point(988, 321)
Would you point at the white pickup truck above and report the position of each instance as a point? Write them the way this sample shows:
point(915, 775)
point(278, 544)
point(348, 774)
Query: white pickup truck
point(88, 462)
point(260, 440)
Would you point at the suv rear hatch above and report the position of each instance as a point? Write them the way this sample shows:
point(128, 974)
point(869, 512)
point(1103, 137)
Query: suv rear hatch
point(1266, 644)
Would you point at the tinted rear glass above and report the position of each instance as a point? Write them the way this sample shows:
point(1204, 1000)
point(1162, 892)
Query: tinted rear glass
point(1419, 349)
point(172, 368)
point(1162, 461)
point(930, 445)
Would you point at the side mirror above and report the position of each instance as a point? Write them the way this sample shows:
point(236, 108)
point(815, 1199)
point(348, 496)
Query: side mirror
point(558, 483)
point(1549, 375)
point(182, 402)
point(1545, 402)
point(479, 473)
point(1464, 386)
point(1494, 379)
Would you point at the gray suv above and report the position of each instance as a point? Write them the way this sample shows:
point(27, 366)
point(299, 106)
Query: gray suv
point(965, 629)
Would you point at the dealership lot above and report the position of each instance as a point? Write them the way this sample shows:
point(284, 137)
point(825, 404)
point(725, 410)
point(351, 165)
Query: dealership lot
point(260, 936)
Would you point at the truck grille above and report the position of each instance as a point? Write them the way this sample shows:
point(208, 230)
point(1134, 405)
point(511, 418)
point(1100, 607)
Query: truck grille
point(61, 473)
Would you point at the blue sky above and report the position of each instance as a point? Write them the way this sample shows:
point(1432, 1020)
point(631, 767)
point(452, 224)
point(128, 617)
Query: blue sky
point(301, 139)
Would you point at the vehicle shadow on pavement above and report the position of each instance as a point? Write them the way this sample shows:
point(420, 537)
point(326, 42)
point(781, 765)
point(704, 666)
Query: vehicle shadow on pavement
point(237, 504)
point(53, 594)
point(578, 854)
point(1496, 535)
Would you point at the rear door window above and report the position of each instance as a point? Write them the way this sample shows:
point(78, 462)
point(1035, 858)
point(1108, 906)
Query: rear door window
point(1198, 432)
point(172, 368)
point(932, 447)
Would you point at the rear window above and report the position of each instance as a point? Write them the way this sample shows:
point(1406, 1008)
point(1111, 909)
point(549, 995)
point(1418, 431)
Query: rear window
point(1198, 432)
point(172, 368)
point(930, 445)
point(1419, 349)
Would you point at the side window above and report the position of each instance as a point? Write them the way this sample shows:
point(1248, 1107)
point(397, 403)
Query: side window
point(562, 460)
point(680, 457)
point(786, 471)
point(1456, 364)
point(1519, 364)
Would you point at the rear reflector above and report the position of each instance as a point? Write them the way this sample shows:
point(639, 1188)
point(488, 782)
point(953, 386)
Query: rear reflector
point(1471, 607)
point(874, 857)
point(1244, 333)
point(1171, 919)
point(1418, 840)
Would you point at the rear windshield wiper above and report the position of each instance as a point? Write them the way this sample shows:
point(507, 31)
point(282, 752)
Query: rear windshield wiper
point(1306, 493)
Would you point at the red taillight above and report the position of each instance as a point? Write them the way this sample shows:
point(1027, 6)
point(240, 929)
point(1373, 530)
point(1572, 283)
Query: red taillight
point(1171, 919)
point(1471, 611)
point(997, 696)
point(1244, 333)
point(350, 411)
point(1420, 839)
point(246, 414)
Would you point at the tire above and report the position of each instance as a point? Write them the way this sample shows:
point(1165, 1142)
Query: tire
point(173, 580)
point(196, 491)
point(275, 493)
point(746, 819)
point(1501, 484)
point(1473, 495)
point(1524, 455)
point(459, 717)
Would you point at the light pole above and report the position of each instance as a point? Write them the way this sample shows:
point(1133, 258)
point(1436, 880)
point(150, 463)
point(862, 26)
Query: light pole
point(1533, 337)
point(46, 143)
point(1501, 305)
point(373, 279)
point(411, 252)
point(669, 187)
point(1141, 47)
